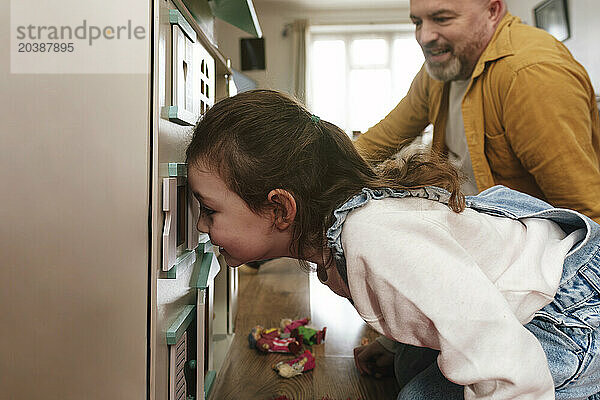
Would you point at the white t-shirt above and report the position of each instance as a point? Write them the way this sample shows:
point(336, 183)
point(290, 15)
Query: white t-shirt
point(455, 138)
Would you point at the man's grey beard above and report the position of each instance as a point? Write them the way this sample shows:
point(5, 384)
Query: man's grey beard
point(450, 71)
point(458, 67)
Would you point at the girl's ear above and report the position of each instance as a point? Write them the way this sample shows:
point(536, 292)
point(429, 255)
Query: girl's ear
point(283, 208)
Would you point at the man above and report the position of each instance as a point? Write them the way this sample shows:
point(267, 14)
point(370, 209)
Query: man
point(510, 106)
point(508, 103)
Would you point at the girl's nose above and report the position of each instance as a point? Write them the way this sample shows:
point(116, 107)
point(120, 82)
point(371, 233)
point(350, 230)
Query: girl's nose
point(202, 226)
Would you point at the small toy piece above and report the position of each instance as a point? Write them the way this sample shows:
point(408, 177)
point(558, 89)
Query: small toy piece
point(309, 336)
point(254, 335)
point(272, 343)
point(288, 339)
point(269, 341)
point(297, 366)
point(287, 325)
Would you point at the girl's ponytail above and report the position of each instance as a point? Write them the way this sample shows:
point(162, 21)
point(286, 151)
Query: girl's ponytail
point(423, 169)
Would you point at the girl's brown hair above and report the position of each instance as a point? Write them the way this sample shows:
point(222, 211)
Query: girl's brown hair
point(262, 140)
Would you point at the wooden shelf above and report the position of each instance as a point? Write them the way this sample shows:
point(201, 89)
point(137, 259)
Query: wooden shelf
point(238, 13)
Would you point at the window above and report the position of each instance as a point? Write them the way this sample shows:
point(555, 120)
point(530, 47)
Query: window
point(357, 74)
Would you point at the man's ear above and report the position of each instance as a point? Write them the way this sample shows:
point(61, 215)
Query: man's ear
point(283, 208)
point(497, 9)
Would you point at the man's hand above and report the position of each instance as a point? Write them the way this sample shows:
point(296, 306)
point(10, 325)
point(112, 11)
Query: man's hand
point(374, 360)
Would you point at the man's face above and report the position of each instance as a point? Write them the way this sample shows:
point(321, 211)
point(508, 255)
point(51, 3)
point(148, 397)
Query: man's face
point(452, 35)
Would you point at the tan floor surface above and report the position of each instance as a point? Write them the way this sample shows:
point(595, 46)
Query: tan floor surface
point(280, 289)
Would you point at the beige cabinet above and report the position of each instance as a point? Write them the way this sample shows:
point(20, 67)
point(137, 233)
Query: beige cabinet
point(108, 292)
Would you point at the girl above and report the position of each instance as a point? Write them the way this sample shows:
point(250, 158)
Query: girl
point(505, 286)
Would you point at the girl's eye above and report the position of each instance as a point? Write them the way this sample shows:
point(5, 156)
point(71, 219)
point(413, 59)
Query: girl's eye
point(204, 211)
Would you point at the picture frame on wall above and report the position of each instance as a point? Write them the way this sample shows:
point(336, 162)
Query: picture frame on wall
point(553, 17)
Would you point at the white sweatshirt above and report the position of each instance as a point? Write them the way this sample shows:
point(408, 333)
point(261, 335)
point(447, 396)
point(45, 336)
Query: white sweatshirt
point(463, 284)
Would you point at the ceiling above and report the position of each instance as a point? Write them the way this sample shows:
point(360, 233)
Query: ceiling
point(338, 4)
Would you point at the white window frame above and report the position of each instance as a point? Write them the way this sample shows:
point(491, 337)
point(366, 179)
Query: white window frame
point(347, 34)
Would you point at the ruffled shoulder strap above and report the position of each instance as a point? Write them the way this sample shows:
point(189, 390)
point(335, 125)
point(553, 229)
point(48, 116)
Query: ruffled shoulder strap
point(334, 233)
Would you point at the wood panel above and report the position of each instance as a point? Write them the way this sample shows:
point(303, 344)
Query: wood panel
point(280, 289)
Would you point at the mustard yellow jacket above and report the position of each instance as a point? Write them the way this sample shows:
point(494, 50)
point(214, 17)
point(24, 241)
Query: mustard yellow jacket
point(530, 116)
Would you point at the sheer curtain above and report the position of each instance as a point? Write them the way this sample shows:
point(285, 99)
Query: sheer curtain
point(299, 34)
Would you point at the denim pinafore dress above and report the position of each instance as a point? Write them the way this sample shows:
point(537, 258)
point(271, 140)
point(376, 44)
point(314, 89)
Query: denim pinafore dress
point(568, 327)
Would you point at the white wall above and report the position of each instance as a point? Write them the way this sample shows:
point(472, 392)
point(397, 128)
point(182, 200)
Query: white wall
point(278, 49)
point(585, 31)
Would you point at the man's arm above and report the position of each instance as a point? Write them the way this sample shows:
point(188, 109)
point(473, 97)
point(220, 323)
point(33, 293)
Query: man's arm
point(553, 129)
point(406, 121)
